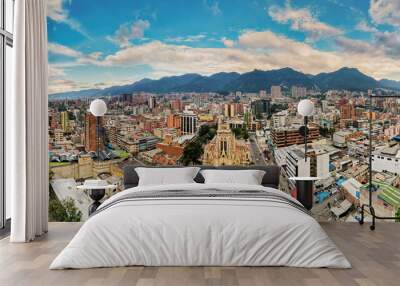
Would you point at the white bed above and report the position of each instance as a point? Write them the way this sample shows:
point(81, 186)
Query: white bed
point(202, 231)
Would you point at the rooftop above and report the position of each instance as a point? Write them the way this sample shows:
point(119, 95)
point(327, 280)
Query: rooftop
point(393, 152)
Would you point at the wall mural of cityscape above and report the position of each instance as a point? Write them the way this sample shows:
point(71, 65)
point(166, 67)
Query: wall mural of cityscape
point(212, 82)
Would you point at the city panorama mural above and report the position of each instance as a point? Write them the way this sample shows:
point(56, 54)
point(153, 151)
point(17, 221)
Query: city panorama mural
point(212, 82)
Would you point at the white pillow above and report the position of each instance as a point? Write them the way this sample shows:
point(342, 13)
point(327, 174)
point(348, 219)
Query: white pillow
point(166, 176)
point(248, 177)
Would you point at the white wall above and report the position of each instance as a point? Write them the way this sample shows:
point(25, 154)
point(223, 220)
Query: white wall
point(385, 164)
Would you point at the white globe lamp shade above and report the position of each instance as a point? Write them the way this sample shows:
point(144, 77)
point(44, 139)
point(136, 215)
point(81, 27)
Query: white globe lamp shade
point(305, 107)
point(98, 107)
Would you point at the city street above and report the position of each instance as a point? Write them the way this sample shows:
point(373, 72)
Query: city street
point(256, 153)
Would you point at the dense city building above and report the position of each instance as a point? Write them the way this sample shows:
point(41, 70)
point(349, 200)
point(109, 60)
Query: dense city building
point(188, 123)
point(286, 136)
point(163, 129)
point(64, 121)
point(276, 91)
point(152, 102)
point(261, 106)
point(91, 138)
point(299, 92)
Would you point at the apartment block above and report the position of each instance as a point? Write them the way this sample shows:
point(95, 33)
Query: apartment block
point(286, 136)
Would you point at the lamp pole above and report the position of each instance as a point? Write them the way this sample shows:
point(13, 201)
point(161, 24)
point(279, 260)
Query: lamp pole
point(370, 152)
point(306, 109)
point(305, 137)
point(98, 138)
point(98, 108)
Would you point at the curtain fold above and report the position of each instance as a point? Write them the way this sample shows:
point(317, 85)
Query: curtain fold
point(27, 123)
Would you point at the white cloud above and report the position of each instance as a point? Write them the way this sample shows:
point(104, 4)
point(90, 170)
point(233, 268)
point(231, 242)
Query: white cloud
point(77, 58)
point(303, 20)
point(256, 50)
point(389, 42)
point(227, 42)
point(128, 32)
point(57, 85)
point(365, 27)
point(385, 12)
point(356, 46)
point(58, 49)
point(95, 55)
point(62, 85)
point(213, 6)
point(251, 50)
point(179, 59)
point(186, 39)
point(55, 72)
point(57, 12)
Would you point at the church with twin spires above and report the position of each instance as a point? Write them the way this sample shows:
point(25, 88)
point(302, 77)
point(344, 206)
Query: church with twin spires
point(225, 149)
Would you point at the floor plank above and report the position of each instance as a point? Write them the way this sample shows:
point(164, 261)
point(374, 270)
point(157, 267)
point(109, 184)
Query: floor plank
point(375, 257)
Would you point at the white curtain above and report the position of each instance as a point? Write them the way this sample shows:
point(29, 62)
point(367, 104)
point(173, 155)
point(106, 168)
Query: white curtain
point(26, 124)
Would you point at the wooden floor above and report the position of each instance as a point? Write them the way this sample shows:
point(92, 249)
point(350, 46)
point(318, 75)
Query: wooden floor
point(375, 257)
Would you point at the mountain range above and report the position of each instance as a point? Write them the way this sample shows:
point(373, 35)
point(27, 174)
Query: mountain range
point(343, 79)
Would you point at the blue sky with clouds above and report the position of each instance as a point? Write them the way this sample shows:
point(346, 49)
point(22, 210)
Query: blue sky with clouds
point(95, 44)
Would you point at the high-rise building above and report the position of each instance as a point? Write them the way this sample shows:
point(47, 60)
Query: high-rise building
point(263, 93)
point(127, 97)
point(299, 92)
point(174, 121)
point(176, 104)
point(296, 165)
point(64, 118)
point(280, 119)
point(91, 138)
point(152, 102)
point(188, 123)
point(347, 111)
point(232, 109)
point(261, 106)
point(229, 110)
point(58, 135)
point(286, 136)
point(276, 91)
point(316, 165)
point(54, 120)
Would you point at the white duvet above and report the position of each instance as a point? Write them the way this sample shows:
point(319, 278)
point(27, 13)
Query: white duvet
point(202, 232)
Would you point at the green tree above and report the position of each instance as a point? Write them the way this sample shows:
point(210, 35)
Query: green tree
point(192, 153)
point(276, 107)
point(62, 108)
point(194, 150)
point(245, 134)
point(71, 116)
point(73, 214)
point(240, 133)
point(203, 130)
point(237, 132)
point(56, 210)
point(397, 215)
point(64, 211)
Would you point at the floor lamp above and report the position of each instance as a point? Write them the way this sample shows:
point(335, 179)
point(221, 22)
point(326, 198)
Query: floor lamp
point(98, 108)
point(306, 109)
point(371, 187)
point(97, 188)
point(305, 185)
